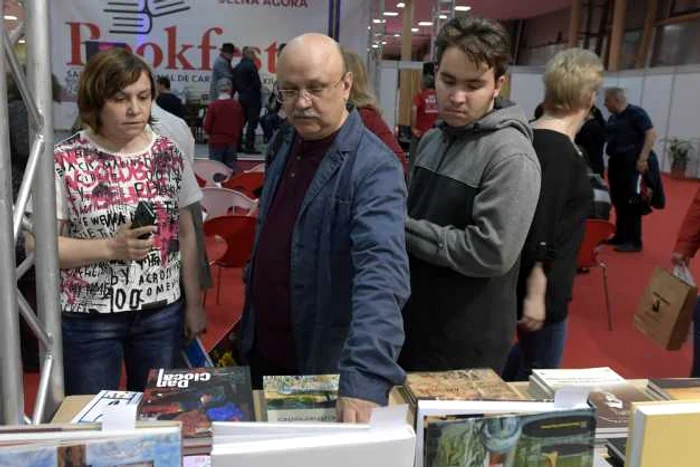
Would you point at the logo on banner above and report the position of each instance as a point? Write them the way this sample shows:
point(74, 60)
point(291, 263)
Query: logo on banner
point(136, 16)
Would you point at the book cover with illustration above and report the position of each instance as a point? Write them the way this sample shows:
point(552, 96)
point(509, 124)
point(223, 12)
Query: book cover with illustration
point(301, 398)
point(475, 384)
point(676, 388)
point(197, 397)
point(155, 447)
point(561, 439)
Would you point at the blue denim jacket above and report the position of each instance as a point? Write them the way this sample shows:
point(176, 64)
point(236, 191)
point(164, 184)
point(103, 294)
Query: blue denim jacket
point(349, 268)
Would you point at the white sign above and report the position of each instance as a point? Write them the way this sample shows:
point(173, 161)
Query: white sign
point(180, 38)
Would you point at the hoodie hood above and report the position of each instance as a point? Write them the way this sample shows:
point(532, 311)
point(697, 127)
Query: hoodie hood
point(504, 114)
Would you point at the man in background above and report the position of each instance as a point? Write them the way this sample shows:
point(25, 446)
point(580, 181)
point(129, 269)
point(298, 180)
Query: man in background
point(424, 112)
point(631, 137)
point(222, 68)
point(167, 100)
point(247, 82)
point(224, 123)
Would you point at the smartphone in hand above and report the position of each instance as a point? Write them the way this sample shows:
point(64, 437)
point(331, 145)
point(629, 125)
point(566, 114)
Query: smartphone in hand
point(145, 215)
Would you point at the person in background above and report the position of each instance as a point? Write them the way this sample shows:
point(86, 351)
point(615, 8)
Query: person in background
point(223, 123)
point(539, 111)
point(120, 287)
point(247, 82)
point(548, 262)
point(687, 244)
point(166, 124)
point(328, 275)
point(424, 112)
point(591, 137)
point(366, 104)
point(272, 120)
point(221, 69)
point(631, 137)
point(473, 189)
point(169, 101)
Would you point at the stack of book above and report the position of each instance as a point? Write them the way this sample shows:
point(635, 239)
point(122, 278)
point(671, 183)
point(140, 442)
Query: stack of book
point(198, 397)
point(440, 396)
point(675, 388)
point(310, 398)
point(610, 394)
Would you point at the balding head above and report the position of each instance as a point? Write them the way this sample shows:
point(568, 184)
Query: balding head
point(314, 85)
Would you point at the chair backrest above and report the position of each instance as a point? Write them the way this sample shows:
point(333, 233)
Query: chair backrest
point(247, 183)
point(218, 202)
point(596, 232)
point(257, 168)
point(211, 171)
point(239, 234)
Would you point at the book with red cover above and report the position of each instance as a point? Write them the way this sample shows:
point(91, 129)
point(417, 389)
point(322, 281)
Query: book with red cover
point(197, 397)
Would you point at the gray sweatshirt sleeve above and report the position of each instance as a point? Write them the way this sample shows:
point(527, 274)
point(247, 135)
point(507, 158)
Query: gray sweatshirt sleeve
point(502, 213)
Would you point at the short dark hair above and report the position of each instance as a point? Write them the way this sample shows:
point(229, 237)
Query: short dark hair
point(164, 81)
point(106, 74)
point(483, 40)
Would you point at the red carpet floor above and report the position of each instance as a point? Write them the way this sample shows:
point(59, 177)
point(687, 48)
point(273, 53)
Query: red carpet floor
point(589, 342)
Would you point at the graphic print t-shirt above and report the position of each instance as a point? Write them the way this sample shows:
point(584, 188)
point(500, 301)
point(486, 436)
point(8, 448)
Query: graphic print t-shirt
point(97, 191)
point(426, 109)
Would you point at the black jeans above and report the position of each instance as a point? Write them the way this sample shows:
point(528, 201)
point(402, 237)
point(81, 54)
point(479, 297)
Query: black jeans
point(622, 176)
point(252, 118)
point(260, 366)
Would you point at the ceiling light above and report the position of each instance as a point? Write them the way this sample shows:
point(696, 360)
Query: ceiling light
point(383, 42)
point(415, 29)
point(397, 35)
point(425, 23)
point(463, 8)
point(390, 13)
point(10, 18)
point(375, 46)
point(21, 41)
point(378, 21)
point(400, 5)
point(443, 16)
point(369, 28)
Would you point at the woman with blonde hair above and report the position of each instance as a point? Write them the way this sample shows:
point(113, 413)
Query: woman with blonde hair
point(361, 97)
point(548, 262)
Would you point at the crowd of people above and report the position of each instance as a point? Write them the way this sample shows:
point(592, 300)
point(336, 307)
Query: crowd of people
point(364, 263)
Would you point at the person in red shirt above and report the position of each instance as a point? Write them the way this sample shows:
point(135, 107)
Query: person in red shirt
point(367, 106)
point(687, 245)
point(224, 125)
point(423, 113)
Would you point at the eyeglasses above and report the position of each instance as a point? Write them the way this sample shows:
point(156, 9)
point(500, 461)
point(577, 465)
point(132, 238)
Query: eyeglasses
point(292, 95)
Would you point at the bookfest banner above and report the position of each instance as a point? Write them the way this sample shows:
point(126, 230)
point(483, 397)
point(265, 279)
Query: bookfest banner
point(181, 38)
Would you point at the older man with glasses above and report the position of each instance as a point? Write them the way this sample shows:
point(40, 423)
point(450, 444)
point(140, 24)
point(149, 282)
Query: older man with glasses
point(329, 271)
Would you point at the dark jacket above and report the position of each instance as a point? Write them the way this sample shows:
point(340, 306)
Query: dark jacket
point(472, 196)
point(349, 264)
point(247, 81)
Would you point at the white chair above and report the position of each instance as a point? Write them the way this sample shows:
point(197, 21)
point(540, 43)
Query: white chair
point(212, 172)
point(218, 202)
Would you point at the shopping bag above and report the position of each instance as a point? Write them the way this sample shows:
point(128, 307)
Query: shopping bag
point(666, 309)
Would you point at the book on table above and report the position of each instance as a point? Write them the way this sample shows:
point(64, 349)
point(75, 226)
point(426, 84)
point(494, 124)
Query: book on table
point(664, 433)
point(149, 444)
point(197, 397)
point(301, 398)
point(675, 388)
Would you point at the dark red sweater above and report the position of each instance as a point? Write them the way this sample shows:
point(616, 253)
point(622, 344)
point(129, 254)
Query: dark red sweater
point(224, 122)
point(374, 123)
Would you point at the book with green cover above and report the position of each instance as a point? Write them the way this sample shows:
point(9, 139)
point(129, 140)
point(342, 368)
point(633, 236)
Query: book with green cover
point(561, 438)
point(301, 398)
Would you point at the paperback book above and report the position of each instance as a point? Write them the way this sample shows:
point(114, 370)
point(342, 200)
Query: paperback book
point(561, 438)
point(476, 384)
point(197, 397)
point(675, 388)
point(301, 398)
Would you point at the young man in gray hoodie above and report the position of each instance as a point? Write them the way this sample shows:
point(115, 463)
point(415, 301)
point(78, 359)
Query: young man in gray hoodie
point(473, 190)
